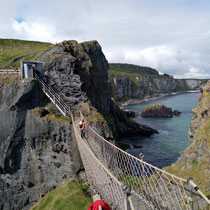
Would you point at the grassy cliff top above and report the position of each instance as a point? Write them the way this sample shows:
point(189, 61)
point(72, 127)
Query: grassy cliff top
point(68, 195)
point(194, 161)
point(12, 51)
point(123, 69)
point(6, 80)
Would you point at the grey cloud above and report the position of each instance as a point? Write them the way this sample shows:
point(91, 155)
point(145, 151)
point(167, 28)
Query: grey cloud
point(121, 27)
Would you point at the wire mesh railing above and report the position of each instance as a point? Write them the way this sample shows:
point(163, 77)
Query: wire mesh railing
point(156, 187)
point(54, 97)
point(107, 167)
point(106, 184)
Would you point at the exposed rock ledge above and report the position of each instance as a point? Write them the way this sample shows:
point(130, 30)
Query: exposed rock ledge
point(155, 110)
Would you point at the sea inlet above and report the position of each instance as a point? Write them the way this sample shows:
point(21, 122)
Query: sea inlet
point(164, 149)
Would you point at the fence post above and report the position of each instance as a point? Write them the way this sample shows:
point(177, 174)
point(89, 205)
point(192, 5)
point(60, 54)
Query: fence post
point(126, 190)
point(192, 186)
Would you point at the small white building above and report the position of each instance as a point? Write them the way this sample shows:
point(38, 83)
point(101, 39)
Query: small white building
point(28, 69)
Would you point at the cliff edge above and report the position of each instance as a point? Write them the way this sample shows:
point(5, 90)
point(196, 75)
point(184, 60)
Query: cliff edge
point(37, 148)
point(194, 161)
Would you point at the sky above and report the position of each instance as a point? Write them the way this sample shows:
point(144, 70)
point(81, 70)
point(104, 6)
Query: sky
point(172, 36)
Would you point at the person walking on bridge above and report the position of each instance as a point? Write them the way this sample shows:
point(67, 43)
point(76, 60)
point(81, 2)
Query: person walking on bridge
point(82, 126)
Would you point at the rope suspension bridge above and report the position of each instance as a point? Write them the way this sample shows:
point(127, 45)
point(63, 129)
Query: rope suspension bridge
point(124, 181)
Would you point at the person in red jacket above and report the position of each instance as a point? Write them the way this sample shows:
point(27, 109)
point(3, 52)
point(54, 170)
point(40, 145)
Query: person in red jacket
point(96, 204)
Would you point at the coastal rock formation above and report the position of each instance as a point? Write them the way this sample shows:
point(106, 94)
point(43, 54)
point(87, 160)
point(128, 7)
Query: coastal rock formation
point(194, 161)
point(176, 112)
point(155, 110)
point(79, 71)
point(126, 88)
point(37, 149)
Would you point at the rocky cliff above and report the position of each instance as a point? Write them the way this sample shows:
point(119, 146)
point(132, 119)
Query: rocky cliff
point(37, 147)
point(194, 161)
point(79, 72)
point(140, 87)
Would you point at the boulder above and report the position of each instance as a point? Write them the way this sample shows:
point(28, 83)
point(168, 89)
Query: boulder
point(155, 110)
point(131, 114)
point(176, 112)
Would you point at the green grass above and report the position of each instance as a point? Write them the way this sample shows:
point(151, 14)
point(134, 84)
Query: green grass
point(49, 112)
point(132, 181)
point(128, 70)
point(12, 51)
point(198, 169)
point(7, 80)
point(67, 196)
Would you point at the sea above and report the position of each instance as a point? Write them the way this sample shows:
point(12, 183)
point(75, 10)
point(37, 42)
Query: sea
point(164, 149)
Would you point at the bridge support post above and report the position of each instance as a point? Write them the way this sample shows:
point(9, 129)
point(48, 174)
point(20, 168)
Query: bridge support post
point(126, 189)
point(192, 186)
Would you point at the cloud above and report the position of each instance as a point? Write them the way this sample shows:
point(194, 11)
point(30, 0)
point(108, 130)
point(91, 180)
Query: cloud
point(171, 36)
point(35, 30)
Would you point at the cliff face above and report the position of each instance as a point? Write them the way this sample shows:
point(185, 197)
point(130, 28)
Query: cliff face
point(139, 87)
point(37, 152)
point(194, 161)
point(79, 71)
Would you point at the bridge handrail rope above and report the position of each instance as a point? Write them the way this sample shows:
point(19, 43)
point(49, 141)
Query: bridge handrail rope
point(99, 176)
point(57, 95)
point(54, 96)
point(175, 191)
point(154, 186)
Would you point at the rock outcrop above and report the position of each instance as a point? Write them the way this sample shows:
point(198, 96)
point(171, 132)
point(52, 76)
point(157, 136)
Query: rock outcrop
point(141, 87)
point(155, 110)
point(79, 71)
point(37, 148)
point(194, 161)
point(37, 152)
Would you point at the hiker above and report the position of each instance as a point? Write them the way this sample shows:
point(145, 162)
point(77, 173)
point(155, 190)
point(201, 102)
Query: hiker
point(99, 204)
point(16, 70)
point(81, 125)
point(45, 80)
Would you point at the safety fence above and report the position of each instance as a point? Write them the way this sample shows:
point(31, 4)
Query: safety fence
point(54, 96)
point(157, 188)
point(108, 167)
point(107, 185)
point(9, 71)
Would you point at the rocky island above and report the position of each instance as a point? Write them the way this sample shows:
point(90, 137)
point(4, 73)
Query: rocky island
point(155, 110)
point(38, 149)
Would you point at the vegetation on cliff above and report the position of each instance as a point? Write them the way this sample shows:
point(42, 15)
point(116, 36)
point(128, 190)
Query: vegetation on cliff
point(120, 69)
point(12, 51)
point(68, 195)
point(194, 161)
point(155, 110)
point(6, 80)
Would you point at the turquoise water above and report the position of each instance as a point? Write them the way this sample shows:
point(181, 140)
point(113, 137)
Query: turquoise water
point(163, 149)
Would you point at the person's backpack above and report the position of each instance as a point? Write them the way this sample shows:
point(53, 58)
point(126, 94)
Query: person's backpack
point(81, 125)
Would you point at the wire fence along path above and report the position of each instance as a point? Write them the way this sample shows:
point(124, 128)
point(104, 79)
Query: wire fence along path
point(112, 171)
point(9, 71)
